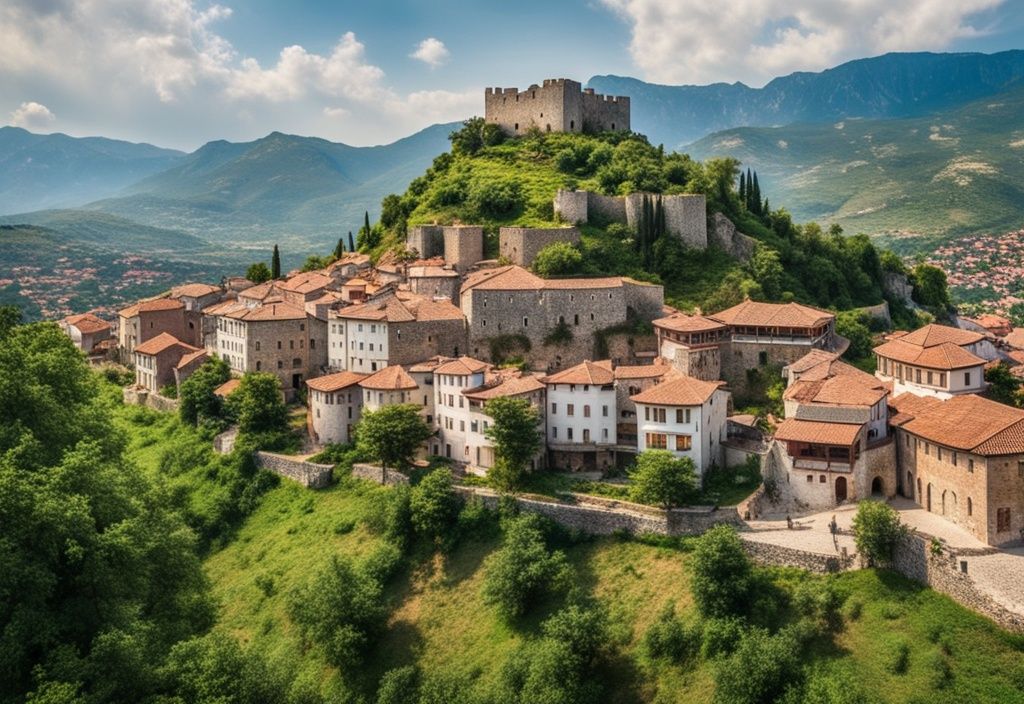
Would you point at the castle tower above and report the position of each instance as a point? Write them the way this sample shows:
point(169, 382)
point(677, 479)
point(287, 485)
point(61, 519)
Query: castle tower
point(559, 105)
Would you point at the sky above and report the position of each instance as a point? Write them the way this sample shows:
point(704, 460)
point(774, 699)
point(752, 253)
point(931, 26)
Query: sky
point(179, 73)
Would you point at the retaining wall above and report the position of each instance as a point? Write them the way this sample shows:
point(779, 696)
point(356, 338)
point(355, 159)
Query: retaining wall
point(309, 474)
point(372, 472)
point(141, 397)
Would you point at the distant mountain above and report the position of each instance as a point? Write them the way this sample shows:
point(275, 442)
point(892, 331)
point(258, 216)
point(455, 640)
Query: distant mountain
point(893, 85)
point(957, 171)
point(277, 187)
point(40, 171)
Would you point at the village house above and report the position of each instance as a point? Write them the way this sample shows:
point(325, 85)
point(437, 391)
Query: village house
point(450, 406)
point(145, 320)
point(963, 458)
point(348, 266)
point(685, 416)
point(581, 417)
point(335, 407)
point(434, 280)
point(301, 288)
point(86, 331)
point(164, 360)
point(630, 380)
point(395, 328)
point(195, 298)
point(270, 338)
point(502, 383)
point(935, 360)
point(509, 303)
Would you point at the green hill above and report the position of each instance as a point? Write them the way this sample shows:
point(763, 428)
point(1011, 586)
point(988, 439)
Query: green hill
point(955, 172)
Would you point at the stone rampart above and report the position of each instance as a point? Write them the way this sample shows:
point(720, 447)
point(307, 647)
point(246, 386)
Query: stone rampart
point(520, 245)
point(373, 473)
point(769, 554)
point(308, 474)
point(685, 214)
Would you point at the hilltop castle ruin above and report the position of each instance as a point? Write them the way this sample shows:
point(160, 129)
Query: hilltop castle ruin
point(560, 105)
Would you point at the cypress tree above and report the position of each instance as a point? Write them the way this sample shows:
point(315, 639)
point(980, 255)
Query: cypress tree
point(765, 210)
point(366, 222)
point(275, 264)
point(743, 189)
point(748, 199)
point(339, 249)
point(351, 242)
point(756, 196)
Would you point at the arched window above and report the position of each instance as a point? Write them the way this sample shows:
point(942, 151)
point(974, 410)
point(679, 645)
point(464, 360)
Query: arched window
point(970, 506)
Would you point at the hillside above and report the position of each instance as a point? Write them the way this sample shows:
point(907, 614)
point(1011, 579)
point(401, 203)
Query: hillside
point(62, 261)
point(955, 172)
point(889, 86)
point(39, 171)
point(439, 622)
point(279, 188)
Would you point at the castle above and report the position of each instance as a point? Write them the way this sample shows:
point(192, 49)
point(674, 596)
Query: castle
point(560, 105)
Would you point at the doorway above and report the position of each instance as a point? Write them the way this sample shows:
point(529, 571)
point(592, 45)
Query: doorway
point(876, 486)
point(840, 490)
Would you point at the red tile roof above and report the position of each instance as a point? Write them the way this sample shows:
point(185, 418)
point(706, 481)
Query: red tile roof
point(515, 384)
point(194, 290)
point(642, 371)
point(682, 322)
point(306, 282)
point(586, 372)
point(267, 312)
point(335, 382)
point(788, 315)
point(818, 432)
point(189, 358)
point(87, 323)
point(945, 355)
point(227, 388)
point(973, 424)
point(156, 345)
point(931, 335)
point(463, 366)
point(403, 308)
point(157, 304)
point(906, 406)
point(392, 378)
point(682, 391)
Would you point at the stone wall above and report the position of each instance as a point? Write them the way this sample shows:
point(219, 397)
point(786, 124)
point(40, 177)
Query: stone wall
point(463, 246)
point(559, 105)
point(913, 559)
point(225, 442)
point(372, 472)
point(520, 245)
point(685, 214)
point(308, 474)
point(768, 554)
point(427, 240)
point(724, 235)
point(134, 396)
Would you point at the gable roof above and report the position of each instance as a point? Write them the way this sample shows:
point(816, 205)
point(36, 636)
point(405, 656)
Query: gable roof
point(87, 323)
point(157, 304)
point(586, 372)
point(335, 382)
point(227, 388)
point(306, 282)
point(972, 424)
point(642, 371)
point(463, 366)
point(516, 278)
point(943, 356)
point(790, 315)
point(190, 357)
point(810, 360)
point(267, 312)
point(505, 384)
point(401, 308)
point(682, 322)
point(163, 341)
point(392, 378)
point(818, 432)
point(905, 407)
point(194, 290)
point(682, 391)
point(933, 334)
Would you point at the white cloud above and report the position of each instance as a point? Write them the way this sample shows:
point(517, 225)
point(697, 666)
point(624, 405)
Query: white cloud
point(754, 40)
point(432, 52)
point(32, 116)
point(159, 70)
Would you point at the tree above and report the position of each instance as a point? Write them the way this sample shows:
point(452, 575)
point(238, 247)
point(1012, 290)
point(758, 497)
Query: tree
point(721, 574)
point(1003, 386)
point(258, 273)
point(196, 397)
point(523, 570)
point(392, 434)
point(474, 135)
point(877, 530)
point(930, 288)
point(351, 242)
point(399, 686)
point(766, 268)
point(315, 262)
point(762, 669)
point(850, 324)
point(275, 264)
point(434, 505)
point(10, 316)
point(516, 437)
point(340, 610)
point(661, 478)
point(558, 259)
point(743, 189)
point(215, 668)
point(259, 405)
point(339, 249)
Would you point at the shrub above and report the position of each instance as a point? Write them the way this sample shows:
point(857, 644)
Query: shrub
point(391, 516)
point(877, 530)
point(721, 573)
point(584, 629)
point(761, 669)
point(898, 657)
point(667, 636)
point(524, 570)
point(381, 564)
point(399, 686)
point(340, 610)
point(719, 636)
point(941, 672)
point(495, 198)
point(434, 505)
point(446, 686)
point(663, 479)
point(558, 259)
point(819, 602)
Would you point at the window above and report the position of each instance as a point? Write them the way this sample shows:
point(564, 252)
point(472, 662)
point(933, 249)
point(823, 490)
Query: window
point(568, 433)
point(1002, 520)
point(554, 432)
point(942, 379)
point(967, 378)
point(604, 411)
point(570, 409)
point(554, 408)
point(970, 465)
point(586, 410)
point(762, 358)
point(810, 478)
point(683, 442)
point(526, 322)
point(970, 506)
point(258, 365)
point(917, 376)
point(1020, 469)
point(586, 435)
point(953, 459)
point(659, 415)
point(257, 345)
point(657, 441)
point(822, 479)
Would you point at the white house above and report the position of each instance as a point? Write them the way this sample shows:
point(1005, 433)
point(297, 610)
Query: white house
point(581, 417)
point(388, 387)
point(335, 406)
point(685, 416)
point(503, 383)
point(451, 408)
point(935, 360)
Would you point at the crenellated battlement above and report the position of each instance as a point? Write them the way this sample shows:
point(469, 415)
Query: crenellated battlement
point(557, 105)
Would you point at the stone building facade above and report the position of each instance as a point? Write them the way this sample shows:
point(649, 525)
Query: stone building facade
point(335, 406)
point(685, 214)
point(147, 319)
point(558, 105)
point(165, 360)
point(462, 246)
point(273, 338)
point(434, 282)
point(520, 245)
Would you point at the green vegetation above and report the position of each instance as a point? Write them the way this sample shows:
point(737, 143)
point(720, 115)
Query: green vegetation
point(258, 273)
point(392, 434)
point(517, 439)
point(877, 529)
point(558, 259)
point(662, 479)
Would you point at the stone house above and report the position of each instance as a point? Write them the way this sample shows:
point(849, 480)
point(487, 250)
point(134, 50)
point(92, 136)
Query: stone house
point(195, 298)
point(273, 338)
point(434, 281)
point(963, 458)
point(303, 287)
point(935, 360)
point(520, 245)
point(335, 406)
point(86, 330)
point(145, 320)
point(395, 328)
point(510, 303)
point(685, 416)
point(349, 266)
point(692, 343)
point(581, 417)
point(164, 360)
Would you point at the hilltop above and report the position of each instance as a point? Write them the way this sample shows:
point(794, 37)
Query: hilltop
point(955, 172)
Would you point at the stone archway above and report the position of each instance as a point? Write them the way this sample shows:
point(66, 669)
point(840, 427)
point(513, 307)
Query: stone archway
point(877, 488)
point(840, 490)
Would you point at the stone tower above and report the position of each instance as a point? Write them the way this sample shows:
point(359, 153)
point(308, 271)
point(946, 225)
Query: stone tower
point(560, 105)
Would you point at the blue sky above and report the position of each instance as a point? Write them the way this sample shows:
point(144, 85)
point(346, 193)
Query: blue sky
point(182, 72)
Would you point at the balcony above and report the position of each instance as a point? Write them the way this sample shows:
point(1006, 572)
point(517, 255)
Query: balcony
point(821, 465)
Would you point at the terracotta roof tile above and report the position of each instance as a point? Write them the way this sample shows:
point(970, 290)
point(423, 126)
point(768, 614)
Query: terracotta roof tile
point(191, 357)
point(681, 322)
point(227, 388)
point(792, 315)
point(642, 371)
point(945, 355)
point(334, 382)
point(87, 323)
point(503, 385)
point(516, 278)
point(683, 391)
point(931, 335)
point(156, 345)
point(429, 365)
point(463, 366)
point(194, 290)
point(392, 378)
point(157, 304)
point(267, 312)
point(818, 432)
point(403, 308)
point(586, 372)
point(971, 423)
point(812, 359)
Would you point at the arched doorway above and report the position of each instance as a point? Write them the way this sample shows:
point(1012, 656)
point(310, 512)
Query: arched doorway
point(943, 503)
point(928, 499)
point(910, 486)
point(951, 507)
point(876, 487)
point(918, 491)
point(840, 490)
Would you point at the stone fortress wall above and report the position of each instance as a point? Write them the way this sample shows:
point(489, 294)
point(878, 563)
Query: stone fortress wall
point(559, 105)
point(462, 246)
point(685, 214)
point(520, 245)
